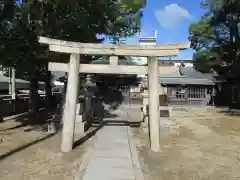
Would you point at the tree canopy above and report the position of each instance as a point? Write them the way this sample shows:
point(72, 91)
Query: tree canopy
point(215, 37)
point(75, 20)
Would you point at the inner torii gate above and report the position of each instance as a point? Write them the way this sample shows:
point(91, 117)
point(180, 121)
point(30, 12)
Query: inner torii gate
point(75, 49)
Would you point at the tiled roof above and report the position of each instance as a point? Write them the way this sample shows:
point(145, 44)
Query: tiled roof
point(184, 76)
point(169, 71)
point(20, 83)
point(6, 79)
point(191, 72)
point(185, 81)
point(188, 75)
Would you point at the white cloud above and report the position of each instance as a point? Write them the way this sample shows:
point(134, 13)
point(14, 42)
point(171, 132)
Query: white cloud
point(172, 15)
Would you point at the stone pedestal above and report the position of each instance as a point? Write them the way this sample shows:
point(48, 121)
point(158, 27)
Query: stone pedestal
point(145, 108)
point(80, 108)
point(79, 123)
point(89, 106)
point(79, 127)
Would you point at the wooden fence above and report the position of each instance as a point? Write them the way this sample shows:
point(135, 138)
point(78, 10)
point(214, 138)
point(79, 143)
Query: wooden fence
point(21, 104)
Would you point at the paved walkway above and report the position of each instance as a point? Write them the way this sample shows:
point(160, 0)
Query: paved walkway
point(114, 155)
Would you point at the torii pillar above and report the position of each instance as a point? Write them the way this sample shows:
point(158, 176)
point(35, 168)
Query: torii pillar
point(153, 94)
point(153, 99)
point(71, 103)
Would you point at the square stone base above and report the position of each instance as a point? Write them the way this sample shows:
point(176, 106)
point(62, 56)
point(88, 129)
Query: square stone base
point(79, 126)
point(145, 130)
point(79, 130)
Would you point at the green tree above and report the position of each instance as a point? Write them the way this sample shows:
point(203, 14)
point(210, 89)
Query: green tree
point(67, 20)
point(216, 41)
point(216, 36)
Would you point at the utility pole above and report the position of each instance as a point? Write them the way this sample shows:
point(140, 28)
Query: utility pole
point(9, 81)
point(13, 82)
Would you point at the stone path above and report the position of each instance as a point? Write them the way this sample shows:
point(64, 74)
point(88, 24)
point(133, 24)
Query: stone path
point(114, 155)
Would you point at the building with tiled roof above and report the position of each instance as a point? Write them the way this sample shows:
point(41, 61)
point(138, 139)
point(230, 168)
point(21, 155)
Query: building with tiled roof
point(185, 85)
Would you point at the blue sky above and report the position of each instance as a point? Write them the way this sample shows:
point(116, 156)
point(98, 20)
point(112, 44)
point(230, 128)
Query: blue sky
point(171, 18)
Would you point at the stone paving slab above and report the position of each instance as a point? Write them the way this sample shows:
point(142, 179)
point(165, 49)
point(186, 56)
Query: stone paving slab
point(108, 145)
point(106, 173)
point(108, 136)
point(111, 153)
point(117, 139)
point(112, 156)
point(123, 163)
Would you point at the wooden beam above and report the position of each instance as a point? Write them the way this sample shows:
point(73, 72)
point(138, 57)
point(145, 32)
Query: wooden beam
point(113, 60)
point(61, 67)
point(176, 60)
point(114, 51)
point(56, 42)
point(100, 68)
point(112, 69)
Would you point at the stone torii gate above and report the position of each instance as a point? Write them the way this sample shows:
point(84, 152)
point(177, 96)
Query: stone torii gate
point(74, 67)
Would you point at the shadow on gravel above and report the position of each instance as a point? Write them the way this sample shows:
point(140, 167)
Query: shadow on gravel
point(4, 156)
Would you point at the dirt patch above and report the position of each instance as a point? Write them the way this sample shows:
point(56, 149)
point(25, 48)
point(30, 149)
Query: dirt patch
point(206, 147)
point(33, 154)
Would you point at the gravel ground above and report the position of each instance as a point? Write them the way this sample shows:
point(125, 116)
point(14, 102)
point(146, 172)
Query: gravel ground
point(32, 154)
point(206, 147)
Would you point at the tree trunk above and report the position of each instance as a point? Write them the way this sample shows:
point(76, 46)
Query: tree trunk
point(48, 89)
point(34, 96)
